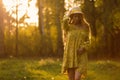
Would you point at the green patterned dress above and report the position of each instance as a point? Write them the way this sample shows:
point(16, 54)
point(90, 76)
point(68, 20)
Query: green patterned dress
point(76, 39)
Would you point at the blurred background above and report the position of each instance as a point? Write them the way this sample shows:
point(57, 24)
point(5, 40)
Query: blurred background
point(31, 44)
point(33, 27)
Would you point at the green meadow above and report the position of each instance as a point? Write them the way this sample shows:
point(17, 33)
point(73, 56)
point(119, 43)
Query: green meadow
point(50, 69)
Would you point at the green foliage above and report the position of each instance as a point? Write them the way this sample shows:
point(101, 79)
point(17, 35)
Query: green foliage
point(51, 17)
point(103, 16)
point(116, 19)
point(29, 42)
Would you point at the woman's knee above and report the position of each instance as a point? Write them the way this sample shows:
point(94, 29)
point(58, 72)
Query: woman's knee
point(77, 75)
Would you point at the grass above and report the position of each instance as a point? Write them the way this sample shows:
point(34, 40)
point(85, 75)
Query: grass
point(50, 69)
point(104, 70)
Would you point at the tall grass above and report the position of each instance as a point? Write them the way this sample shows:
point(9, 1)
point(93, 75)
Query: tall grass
point(50, 69)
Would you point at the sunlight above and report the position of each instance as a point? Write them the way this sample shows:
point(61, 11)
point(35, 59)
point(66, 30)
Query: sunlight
point(8, 4)
point(32, 13)
point(23, 8)
point(72, 3)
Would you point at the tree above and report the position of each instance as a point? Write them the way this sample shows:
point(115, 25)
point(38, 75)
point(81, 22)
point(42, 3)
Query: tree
point(59, 8)
point(2, 12)
point(51, 17)
point(104, 20)
point(40, 15)
point(90, 14)
point(110, 9)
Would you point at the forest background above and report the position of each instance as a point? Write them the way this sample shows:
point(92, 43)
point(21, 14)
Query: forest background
point(42, 37)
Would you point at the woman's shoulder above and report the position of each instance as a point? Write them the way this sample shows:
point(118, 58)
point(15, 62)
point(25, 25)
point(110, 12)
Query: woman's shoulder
point(86, 27)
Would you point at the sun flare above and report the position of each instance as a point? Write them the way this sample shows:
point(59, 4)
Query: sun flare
point(23, 8)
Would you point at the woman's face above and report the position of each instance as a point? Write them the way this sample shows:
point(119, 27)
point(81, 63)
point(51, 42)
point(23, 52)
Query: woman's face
point(76, 18)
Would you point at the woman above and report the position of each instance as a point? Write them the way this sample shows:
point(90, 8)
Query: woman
point(76, 32)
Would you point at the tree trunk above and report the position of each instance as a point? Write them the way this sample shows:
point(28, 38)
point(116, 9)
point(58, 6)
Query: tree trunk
point(40, 15)
point(1, 38)
point(58, 24)
point(90, 11)
point(49, 45)
point(42, 49)
point(1, 29)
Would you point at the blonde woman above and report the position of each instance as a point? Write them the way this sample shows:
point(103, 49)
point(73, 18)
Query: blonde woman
point(76, 33)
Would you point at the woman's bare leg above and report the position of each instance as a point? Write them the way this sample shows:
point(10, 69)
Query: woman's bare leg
point(77, 75)
point(71, 74)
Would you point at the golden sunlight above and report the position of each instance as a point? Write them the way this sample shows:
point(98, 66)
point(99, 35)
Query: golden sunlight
point(72, 3)
point(23, 8)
